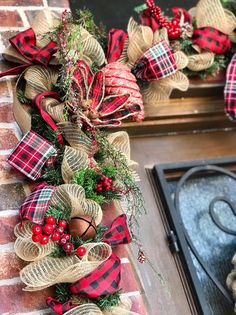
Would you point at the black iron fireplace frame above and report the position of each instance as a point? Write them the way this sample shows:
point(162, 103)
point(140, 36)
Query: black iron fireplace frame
point(177, 235)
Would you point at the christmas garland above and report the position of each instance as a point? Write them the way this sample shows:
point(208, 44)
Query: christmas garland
point(67, 95)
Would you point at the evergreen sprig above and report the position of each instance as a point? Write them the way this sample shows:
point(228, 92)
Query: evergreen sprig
point(58, 213)
point(89, 178)
point(62, 292)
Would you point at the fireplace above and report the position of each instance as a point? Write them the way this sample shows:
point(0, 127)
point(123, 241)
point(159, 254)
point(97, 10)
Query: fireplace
point(199, 200)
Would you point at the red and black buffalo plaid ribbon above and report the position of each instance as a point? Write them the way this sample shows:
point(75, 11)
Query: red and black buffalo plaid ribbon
point(25, 44)
point(58, 307)
point(116, 40)
point(31, 154)
point(36, 204)
point(157, 63)
point(212, 39)
point(118, 232)
point(105, 278)
point(230, 89)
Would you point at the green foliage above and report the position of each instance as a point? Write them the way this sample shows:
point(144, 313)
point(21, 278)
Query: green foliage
point(52, 173)
point(89, 178)
point(21, 97)
point(107, 301)
point(58, 213)
point(58, 251)
point(62, 292)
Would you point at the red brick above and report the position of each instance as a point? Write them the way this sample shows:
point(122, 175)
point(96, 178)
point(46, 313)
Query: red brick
point(6, 35)
point(8, 172)
point(6, 114)
point(32, 14)
point(59, 3)
point(10, 18)
point(12, 196)
point(138, 305)
point(8, 139)
point(14, 300)
point(7, 225)
point(21, 2)
point(4, 91)
point(128, 282)
point(10, 265)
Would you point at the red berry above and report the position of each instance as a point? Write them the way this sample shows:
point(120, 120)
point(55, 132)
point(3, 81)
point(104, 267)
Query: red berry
point(66, 236)
point(51, 220)
point(81, 251)
point(48, 229)
point(54, 226)
point(60, 230)
point(68, 247)
point(44, 239)
point(37, 229)
point(63, 241)
point(56, 236)
point(62, 223)
point(36, 238)
point(99, 188)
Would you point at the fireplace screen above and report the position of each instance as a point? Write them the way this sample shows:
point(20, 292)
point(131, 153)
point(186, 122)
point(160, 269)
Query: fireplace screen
point(199, 200)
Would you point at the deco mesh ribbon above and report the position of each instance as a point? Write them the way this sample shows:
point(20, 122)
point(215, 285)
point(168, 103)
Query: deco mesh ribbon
point(230, 89)
point(31, 154)
point(48, 271)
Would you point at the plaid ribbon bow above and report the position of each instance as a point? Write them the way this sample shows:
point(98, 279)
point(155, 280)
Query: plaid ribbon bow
point(212, 39)
point(31, 154)
point(157, 63)
point(116, 41)
point(25, 44)
point(36, 204)
point(106, 278)
point(230, 89)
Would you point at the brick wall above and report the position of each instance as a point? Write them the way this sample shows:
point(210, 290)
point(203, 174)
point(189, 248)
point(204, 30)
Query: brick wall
point(15, 16)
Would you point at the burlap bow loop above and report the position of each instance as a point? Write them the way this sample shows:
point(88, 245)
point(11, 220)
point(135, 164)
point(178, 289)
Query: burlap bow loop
point(72, 196)
point(24, 246)
point(48, 271)
point(157, 63)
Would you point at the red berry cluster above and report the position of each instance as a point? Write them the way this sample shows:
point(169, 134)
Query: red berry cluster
point(173, 27)
point(55, 231)
point(105, 184)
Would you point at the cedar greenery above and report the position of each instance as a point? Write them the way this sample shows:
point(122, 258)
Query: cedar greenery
point(88, 178)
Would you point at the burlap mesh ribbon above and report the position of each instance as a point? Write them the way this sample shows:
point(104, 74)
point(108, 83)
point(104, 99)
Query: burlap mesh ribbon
point(72, 196)
point(210, 13)
point(141, 38)
point(48, 271)
point(231, 280)
point(24, 246)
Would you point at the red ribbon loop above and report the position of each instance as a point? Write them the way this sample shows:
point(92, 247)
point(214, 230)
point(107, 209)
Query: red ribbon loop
point(58, 307)
point(25, 44)
point(230, 90)
point(118, 232)
point(212, 39)
point(47, 118)
point(116, 41)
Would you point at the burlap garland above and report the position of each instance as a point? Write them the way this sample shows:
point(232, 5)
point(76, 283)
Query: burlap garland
point(48, 271)
point(24, 246)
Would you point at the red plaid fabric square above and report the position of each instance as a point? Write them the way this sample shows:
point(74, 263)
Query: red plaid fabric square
point(230, 89)
point(37, 203)
point(105, 279)
point(31, 154)
point(157, 63)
